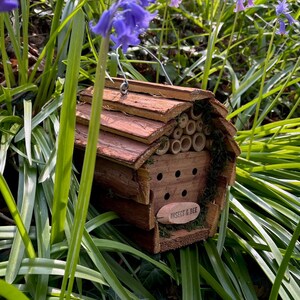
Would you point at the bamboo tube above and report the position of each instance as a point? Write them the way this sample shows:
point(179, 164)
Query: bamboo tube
point(164, 146)
point(194, 114)
point(182, 120)
point(208, 144)
point(190, 128)
point(198, 141)
point(175, 146)
point(177, 133)
point(199, 125)
point(207, 129)
point(186, 143)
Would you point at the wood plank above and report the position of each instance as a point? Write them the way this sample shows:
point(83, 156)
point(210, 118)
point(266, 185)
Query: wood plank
point(212, 218)
point(142, 105)
point(226, 126)
point(162, 90)
point(136, 214)
point(218, 108)
point(145, 239)
point(136, 128)
point(231, 145)
point(117, 148)
point(181, 238)
point(230, 172)
point(220, 198)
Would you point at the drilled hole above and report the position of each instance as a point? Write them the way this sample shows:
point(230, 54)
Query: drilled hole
point(177, 173)
point(184, 193)
point(167, 196)
point(195, 171)
point(159, 176)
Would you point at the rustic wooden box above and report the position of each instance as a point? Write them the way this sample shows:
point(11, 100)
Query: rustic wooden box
point(140, 171)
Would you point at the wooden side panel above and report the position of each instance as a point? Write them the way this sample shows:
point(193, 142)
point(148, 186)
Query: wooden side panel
point(177, 178)
point(142, 105)
point(136, 128)
point(212, 218)
point(120, 179)
point(146, 239)
point(230, 172)
point(220, 198)
point(162, 90)
point(139, 215)
point(120, 149)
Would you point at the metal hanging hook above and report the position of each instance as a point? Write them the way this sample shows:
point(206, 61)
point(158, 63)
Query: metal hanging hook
point(125, 85)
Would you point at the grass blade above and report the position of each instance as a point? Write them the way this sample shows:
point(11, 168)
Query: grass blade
point(284, 264)
point(27, 201)
point(67, 132)
point(11, 204)
point(27, 128)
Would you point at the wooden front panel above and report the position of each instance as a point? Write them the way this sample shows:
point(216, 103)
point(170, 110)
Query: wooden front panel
point(177, 178)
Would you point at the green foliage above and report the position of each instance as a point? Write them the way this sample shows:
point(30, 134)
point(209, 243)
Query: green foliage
point(50, 234)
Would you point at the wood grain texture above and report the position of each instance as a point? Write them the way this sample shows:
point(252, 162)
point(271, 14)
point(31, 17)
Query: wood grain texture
point(139, 215)
point(218, 108)
point(226, 126)
point(162, 90)
point(142, 105)
point(117, 148)
point(177, 178)
point(220, 198)
point(181, 238)
point(212, 218)
point(231, 145)
point(135, 128)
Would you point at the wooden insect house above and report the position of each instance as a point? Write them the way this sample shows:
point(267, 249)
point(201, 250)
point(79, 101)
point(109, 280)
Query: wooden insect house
point(166, 156)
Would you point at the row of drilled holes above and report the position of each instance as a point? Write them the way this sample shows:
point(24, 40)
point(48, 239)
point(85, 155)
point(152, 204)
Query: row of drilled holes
point(183, 194)
point(160, 176)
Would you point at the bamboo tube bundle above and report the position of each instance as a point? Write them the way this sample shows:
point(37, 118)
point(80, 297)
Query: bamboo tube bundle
point(186, 143)
point(195, 114)
point(164, 146)
point(175, 146)
point(182, 120)
point(198, 141)
point(177, 133)
point(190, 127)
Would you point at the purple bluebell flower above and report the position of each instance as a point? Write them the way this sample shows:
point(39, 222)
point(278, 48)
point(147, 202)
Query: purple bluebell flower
point(128, 18)
point(175, 3)
point(250, 3)
point(240, 5)
point(8, 5)
point(283, 12)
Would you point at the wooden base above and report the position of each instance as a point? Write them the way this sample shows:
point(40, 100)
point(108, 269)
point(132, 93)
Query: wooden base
point(153, 243)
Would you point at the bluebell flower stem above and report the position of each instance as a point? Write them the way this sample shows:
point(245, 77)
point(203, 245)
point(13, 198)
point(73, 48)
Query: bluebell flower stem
point(260, 96)
point(87, 174)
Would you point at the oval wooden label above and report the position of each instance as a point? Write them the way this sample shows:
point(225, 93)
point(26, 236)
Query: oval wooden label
point(178, 213)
